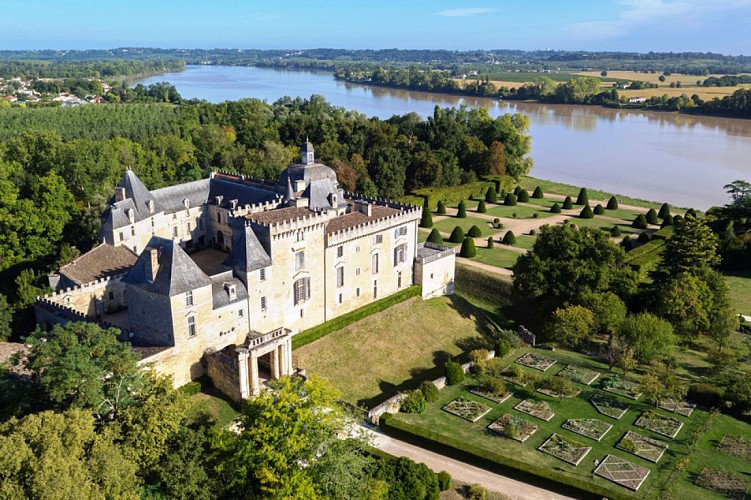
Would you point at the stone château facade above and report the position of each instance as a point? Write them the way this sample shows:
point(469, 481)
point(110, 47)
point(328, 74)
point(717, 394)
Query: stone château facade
point(217, 275)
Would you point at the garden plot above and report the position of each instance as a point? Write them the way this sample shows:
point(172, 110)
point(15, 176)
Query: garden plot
point(536, 361)
point(725, 483)
point(494, 397)
point(653, 421)
point(679, 406)
point(622, 472)
point(735, 446)
point(622, 387)
point(642, 446)
point(579, 374)
point(513, 427)
point(610, 407)
point(536, 408)
point(467, 409)
point(516, 375)
point(566, 449)
point(588, 427)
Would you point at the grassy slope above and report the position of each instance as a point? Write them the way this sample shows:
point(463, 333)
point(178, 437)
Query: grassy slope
point(740, 292)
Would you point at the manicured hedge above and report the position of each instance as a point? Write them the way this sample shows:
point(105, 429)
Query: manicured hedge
point(586, 213)
point(315, 333)
point(474, 232)
point(523, 196)
point(454, 194)
point(457, 235)
point(615, 232)
point(491, 243)
point(441, 207)
point(491, 196)
point(652, 216)
point(462, 210)
point(583, 198)
point(555, 209)
point(481, 209)
point(510, 200)
point(435, 236)
point(664, 211)
point(598, 210)
point(509, 238)
point(468, 249)
point(613, 203)
point(538, 193)
point(567, 203)
point(427, 217)
point(640, 222)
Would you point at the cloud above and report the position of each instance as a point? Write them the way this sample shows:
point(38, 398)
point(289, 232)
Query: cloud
point(474, 11)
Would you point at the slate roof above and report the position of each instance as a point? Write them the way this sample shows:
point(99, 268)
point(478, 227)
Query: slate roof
point(245, 194)
point(172, 199)
point(177, 272)
point(99, 262)
point(220, 295)
point(247, 252)
point(320, 182)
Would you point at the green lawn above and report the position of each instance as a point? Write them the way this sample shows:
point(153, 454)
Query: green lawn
point(740, 292)
point(543, 202)
point(525, 241)
point(211, 401)
point(604, 224)
point(447, 225)
point(468, 204)
point(521, 211)
point(476, 434)
point(497, 256)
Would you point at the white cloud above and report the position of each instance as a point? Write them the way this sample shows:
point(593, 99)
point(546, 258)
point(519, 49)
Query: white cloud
point(474, 11)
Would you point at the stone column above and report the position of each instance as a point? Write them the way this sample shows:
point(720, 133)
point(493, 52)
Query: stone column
point(275, 363)
point(288, 356)
point(255, 383)
point(242, 364)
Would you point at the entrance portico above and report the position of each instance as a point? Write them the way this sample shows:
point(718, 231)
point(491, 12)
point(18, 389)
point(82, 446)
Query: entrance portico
point(278, 345)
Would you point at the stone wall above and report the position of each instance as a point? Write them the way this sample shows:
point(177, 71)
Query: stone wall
point(222, 367)
point(436, 274)
point(92, 299)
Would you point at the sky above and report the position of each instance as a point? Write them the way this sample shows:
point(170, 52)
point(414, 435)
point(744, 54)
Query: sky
point(722, 26)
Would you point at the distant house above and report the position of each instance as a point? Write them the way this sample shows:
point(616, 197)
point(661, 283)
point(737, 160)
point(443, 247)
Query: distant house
point(637, 100)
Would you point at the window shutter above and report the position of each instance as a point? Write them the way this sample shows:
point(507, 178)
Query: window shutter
point(307, 288)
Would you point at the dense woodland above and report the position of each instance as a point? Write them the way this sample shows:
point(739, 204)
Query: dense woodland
point(59, 67)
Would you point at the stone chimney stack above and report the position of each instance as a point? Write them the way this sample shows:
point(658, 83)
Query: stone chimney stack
point(364, 207)
point(152, 263)
point(120, 193)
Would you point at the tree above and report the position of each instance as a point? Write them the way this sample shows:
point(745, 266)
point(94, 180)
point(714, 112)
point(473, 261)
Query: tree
point(457, 235)
point(81, 365)
point(509, 238)
point(571, 326)
point(652, 387)
point(612, 203)
point(490, 195)
point(435, 236)
point(583, 198)
point(6, 319)
point(468, 248)
point(608, 309)
point(646, 334)
point(723, 323)
point(691, 248)
point(427, 217)
point(661, 78)
point(461, 212)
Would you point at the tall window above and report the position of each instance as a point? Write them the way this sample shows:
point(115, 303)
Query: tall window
point(340, 276)
point(192, 326)
point(263, 303)
point(301, 290)
point(374, 263)
point(400, 254)
point(377, 239)
point(174, 231)
point(375, 289)
point(300, 236)
point(299, 260)
point(340, 251)
point(132, 230)
point(189, 298)
point(263, 274)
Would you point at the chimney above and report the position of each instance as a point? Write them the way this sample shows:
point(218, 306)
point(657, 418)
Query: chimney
point(364, 207)
point(152, 263)
point(120, 193)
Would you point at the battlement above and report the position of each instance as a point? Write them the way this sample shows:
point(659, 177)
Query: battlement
point(428, 252)
point(374, 226)
point(242, 211)
point(87, 287)
point(66, 314)
point(378, 201)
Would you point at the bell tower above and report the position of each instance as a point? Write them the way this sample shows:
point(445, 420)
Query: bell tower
point(307, 154)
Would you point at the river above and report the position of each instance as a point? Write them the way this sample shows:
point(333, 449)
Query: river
point(682, 159)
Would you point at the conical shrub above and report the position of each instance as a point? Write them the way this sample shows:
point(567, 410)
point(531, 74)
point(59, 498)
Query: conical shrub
point(586, 213)
point(615, 232)
point(491, 243)
point(510, 200)
point(509, 238)
point(640, 222)
point(457, 235)
point(538, 193)
point(481, 209)
point(474, 232)
point(583, 198)
point(613, 203)
point(468, 248)
point(652, 217)
point(523, 196)
point(427, 217)
point(627, 243)
point(555, 209)
point(667, 221)
point(435, 236)
point(664, 211)
point(491, 196)
point(643, 237)
point(567, 203)
point(441, 207)
point(598, 210)
point(462, 210)
point(691, 212)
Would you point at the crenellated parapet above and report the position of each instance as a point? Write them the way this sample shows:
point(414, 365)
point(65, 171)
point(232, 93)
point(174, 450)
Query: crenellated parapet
point(244, 210)
point(87, 288)
point(407, 214)
point(378, 201)
point(59, 313)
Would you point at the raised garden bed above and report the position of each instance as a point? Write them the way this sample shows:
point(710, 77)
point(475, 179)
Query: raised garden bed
point(653, 421)
point(515, 375)
point(610, 407)
point(513, 427)
point(536, 408)
point(588, 427)
point(735, 446)
point(467, 409)
point(642, 446)
point(496, 398)
point(724, 483)
point(679, 406)
point(621, 387)
point(555, 394)
point(564, 448)
point(623, 472)
point(579, 374)
point(536, 361)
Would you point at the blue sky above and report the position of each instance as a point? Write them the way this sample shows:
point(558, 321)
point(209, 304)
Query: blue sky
point(630, 25)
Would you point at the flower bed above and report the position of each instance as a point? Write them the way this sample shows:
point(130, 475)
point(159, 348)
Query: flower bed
point(724, 483)
point(579, 374)
point(735, 446)
point(642, 446)
point(467, 409)
point(513, 427)
point(622, 472)
point(610, 407)
point(536, 361)
point(621, 387)
point(536, 408)
point(566, 449)
point(588, 427)
point(496, 398)
point(679, 406)
point(653, 421)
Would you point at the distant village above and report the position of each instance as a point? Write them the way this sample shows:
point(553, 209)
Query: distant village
point(20, 91)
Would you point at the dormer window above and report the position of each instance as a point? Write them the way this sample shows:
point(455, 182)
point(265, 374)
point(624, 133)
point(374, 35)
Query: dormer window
point(231, 290)
point(233, 204)
point(333, 199)
point(150, 205)
point(131, 215)
point(186, 203)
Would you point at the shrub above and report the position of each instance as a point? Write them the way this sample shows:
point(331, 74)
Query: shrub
point(567, 203)
point(555, 209)
point(462, 210)
point(523, 196)
point(627, 243)
point(427, 217)
point(494, 387)
point(538, 193)
point(510, 200)
point(677, 219)
point(536, 215)
point(444, 481)
point(509, 238)
point(532, 232)
point(491, 243)
point(454, 373)
point(706, 395)
point(502, 348)
point(565, 222)
point(468, 249)
point(491, 196)
point(478, 355)
point(474, 232)
point(640, 222)
point(559, 385)
point(598, 210)
point(429, 391)
point(476, 492)
point(586, 213)
point(471, 197)
point(643, 237)
point(414, 403)
point(690, 212)
point(664, 211)
point(191, 388)
point(615, 232)
point(457, 235)
point(517, 189)
point(652, 216)
point(667, 221)
point(435, 236)
point(513, 215)
point(441, 208)
point(628, 445)
point(481, 209)
point(583, 198)
point(613, 203)
point(496, 221)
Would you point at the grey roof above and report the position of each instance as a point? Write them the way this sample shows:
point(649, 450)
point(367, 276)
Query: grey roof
point(247, 252)
point(177, 272)
point(172, 199)
point(320, 182)
point(220, 295)
point(244, 194)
